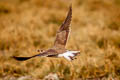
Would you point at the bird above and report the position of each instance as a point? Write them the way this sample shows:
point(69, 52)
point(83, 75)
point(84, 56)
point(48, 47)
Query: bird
point(59, 47)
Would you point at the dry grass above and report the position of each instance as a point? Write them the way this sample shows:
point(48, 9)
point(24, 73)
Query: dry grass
point(28, 25)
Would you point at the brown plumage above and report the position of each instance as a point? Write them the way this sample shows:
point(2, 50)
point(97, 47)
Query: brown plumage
point(58, 50)
point(63, 32)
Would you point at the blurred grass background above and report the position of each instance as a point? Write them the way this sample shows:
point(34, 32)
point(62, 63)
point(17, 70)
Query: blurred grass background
point(28, 25)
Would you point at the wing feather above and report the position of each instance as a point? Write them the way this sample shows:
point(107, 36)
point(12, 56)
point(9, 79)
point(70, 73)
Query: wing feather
point(63, 32)
point(26, 58)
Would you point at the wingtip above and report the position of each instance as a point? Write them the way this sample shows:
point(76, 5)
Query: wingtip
point(70, 7)
point(21, 58)
point(14, 57)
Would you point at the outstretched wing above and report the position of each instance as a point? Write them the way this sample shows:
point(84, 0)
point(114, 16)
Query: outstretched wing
point(47, 53)
point(63, 32)
point(26, 58)
point(21, 58)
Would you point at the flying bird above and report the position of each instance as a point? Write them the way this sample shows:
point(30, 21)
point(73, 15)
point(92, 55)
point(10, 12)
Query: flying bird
point(58, 49)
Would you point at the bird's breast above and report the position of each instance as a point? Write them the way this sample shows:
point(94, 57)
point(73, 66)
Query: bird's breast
point(69, 55)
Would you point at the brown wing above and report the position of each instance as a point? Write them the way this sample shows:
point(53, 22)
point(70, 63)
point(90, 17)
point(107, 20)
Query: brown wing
point(26, 58)
point(47, 53)
point(63, 32)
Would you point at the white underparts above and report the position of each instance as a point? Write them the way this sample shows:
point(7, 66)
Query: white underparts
point(69, 55)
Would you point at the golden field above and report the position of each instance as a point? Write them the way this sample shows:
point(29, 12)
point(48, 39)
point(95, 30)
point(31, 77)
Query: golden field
point(29, 25)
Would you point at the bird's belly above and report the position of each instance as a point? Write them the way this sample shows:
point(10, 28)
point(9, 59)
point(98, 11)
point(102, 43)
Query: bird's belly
point(69, 55)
